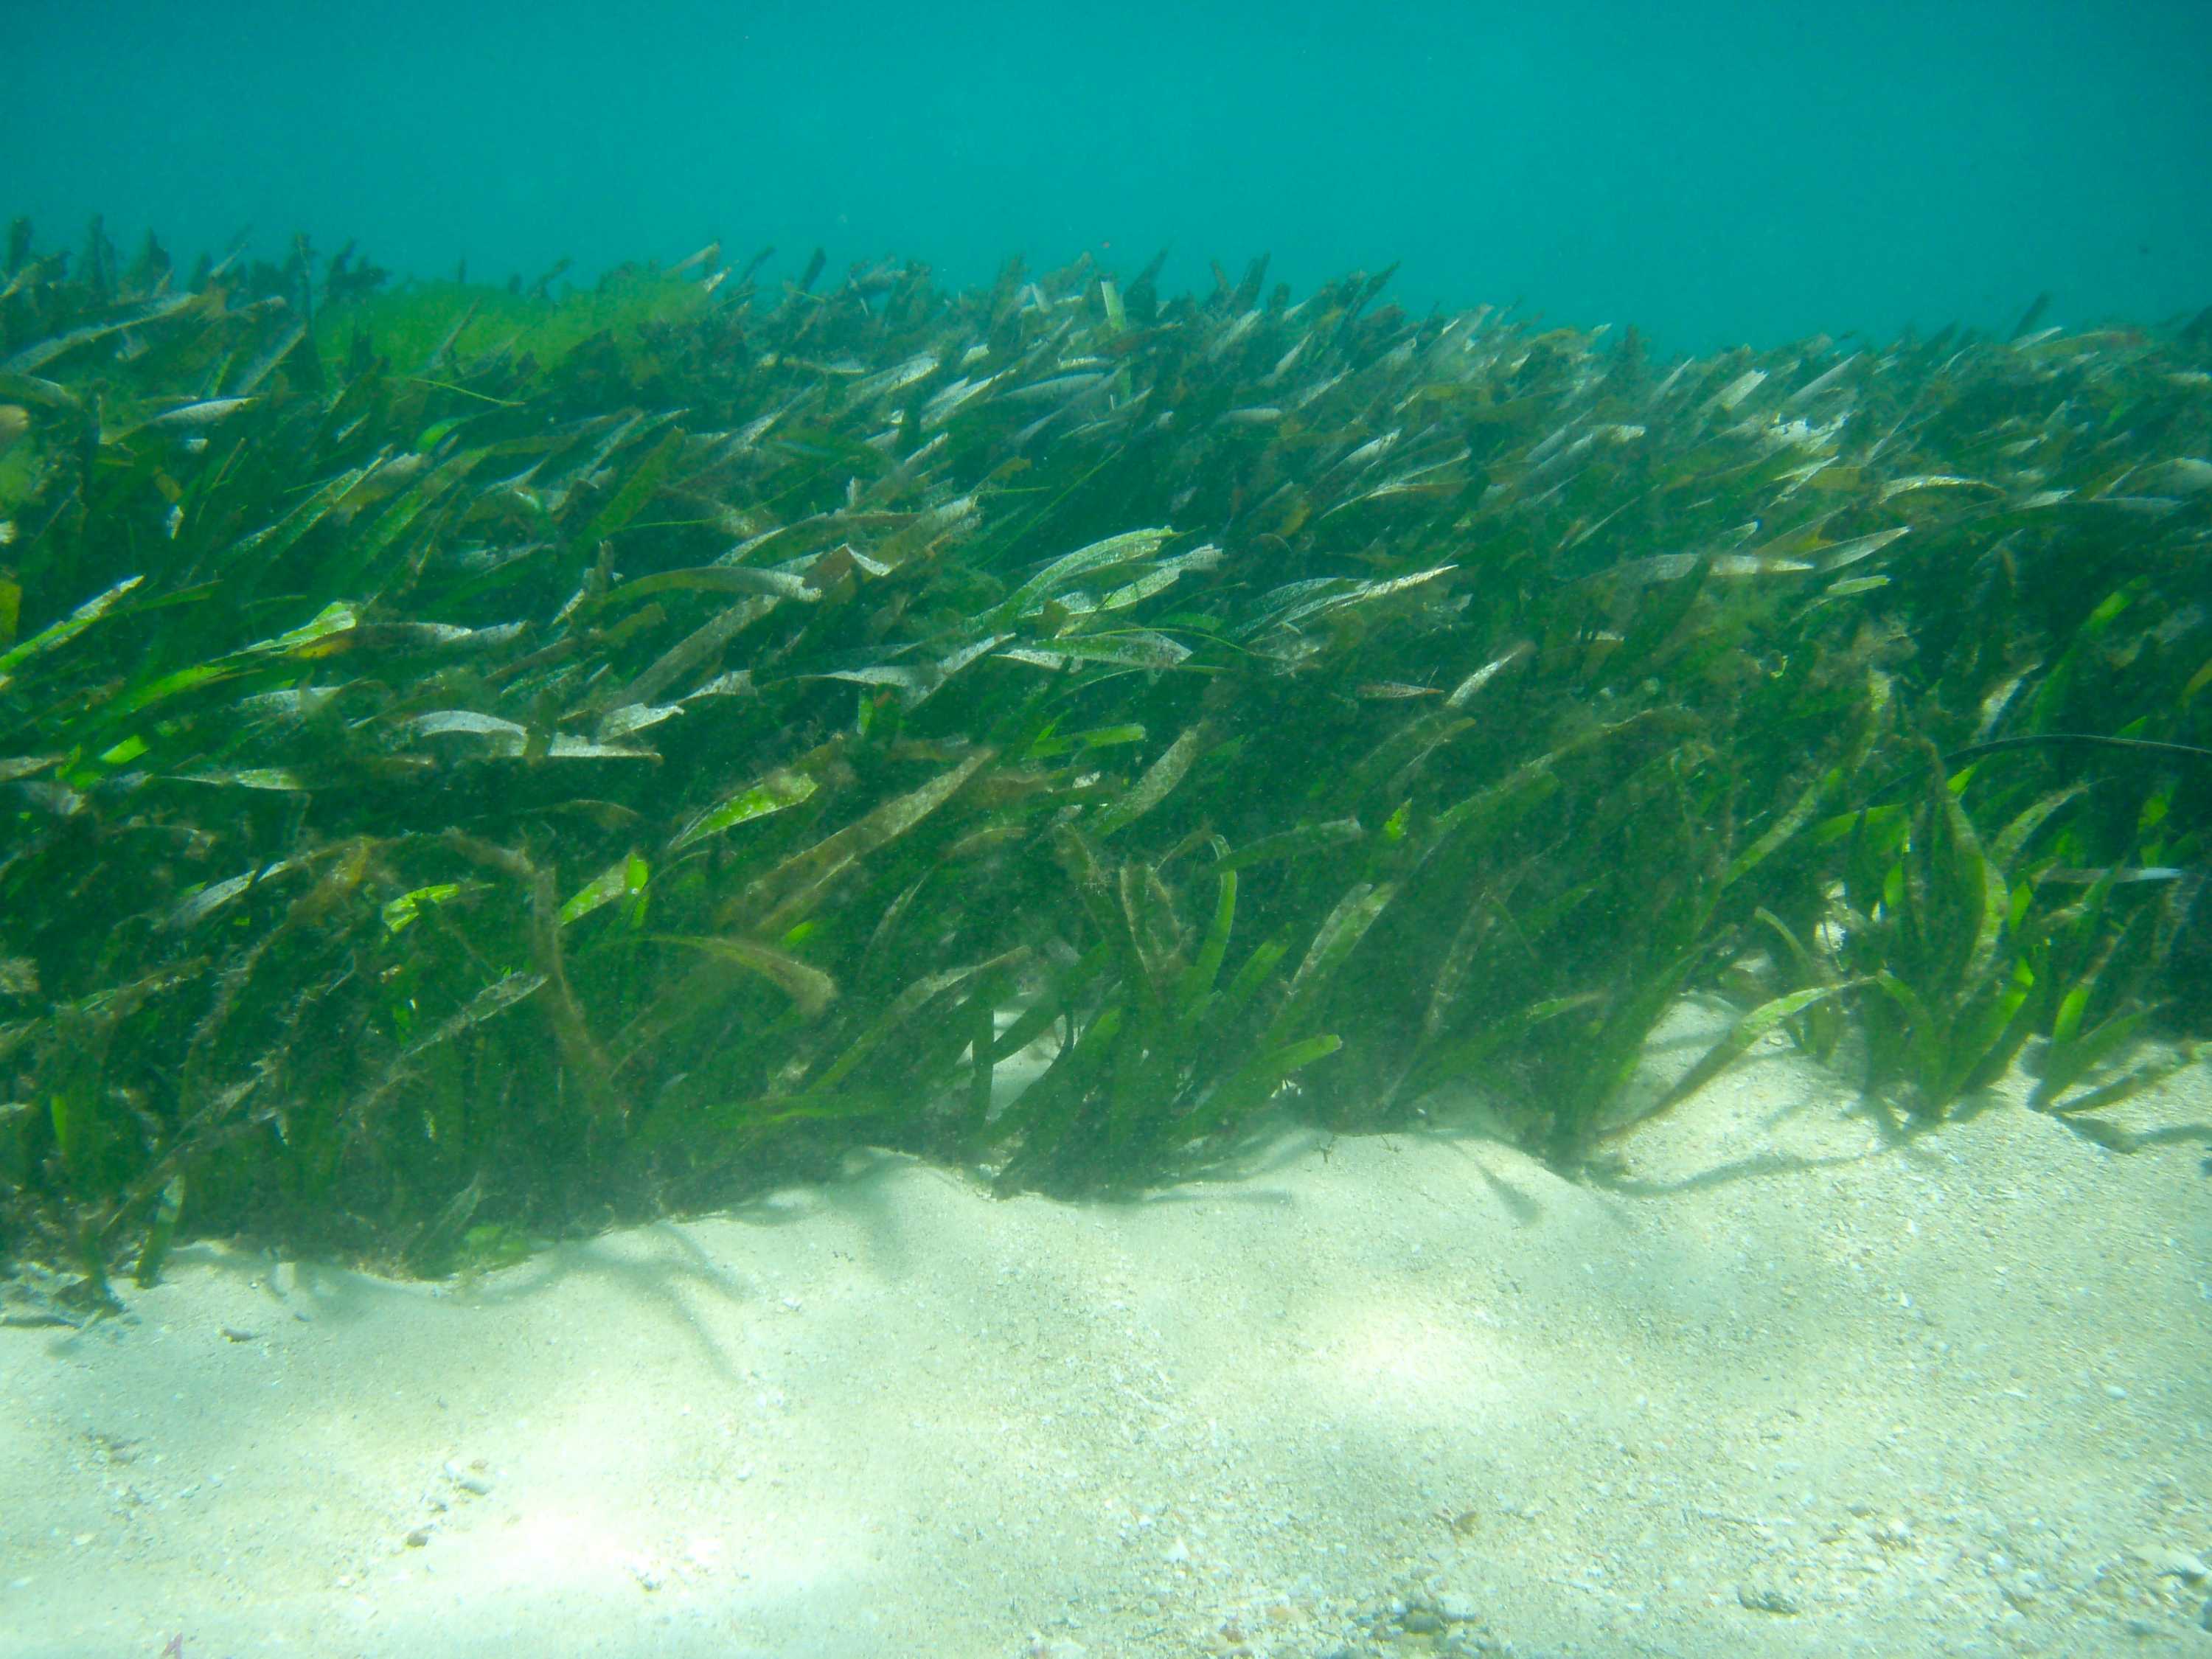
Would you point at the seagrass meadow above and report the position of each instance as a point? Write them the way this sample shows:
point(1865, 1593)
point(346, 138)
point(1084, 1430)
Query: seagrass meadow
point(480, 763)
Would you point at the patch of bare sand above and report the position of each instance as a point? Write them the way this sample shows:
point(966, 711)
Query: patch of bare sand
point(1796, 1393)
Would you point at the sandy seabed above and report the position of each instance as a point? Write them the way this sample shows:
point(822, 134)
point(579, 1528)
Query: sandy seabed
point(1793, 1391)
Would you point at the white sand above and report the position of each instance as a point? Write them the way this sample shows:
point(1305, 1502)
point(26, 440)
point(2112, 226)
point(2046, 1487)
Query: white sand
point(1954, 1399)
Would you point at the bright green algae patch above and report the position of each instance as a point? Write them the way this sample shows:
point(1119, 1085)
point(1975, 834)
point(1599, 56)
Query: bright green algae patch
point(479, 764)
point(419, 326)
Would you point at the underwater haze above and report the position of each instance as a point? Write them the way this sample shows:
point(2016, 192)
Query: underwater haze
point(1714, 173)
point(705, 958)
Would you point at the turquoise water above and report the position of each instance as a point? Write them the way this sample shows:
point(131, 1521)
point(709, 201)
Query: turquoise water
point(1715, 173)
